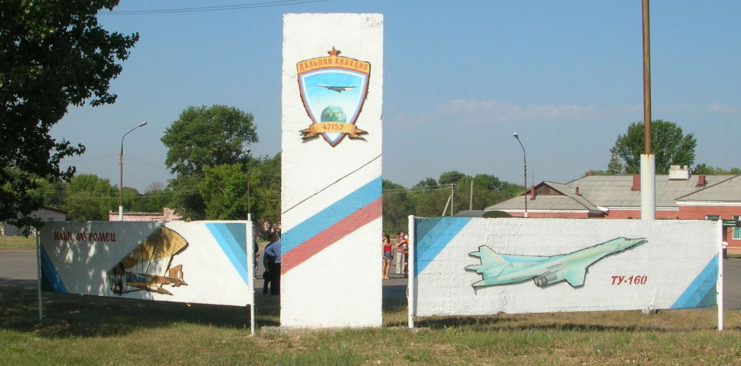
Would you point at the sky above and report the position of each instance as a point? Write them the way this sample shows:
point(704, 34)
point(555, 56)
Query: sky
point(460, 77)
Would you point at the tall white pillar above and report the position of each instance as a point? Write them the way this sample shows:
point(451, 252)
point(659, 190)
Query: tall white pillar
point(648, 187)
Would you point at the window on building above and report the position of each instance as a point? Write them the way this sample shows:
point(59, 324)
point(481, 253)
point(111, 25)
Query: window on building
point(712, 217)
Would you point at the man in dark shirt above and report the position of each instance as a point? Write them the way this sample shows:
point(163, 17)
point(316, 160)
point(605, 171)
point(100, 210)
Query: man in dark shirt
point(272, 253)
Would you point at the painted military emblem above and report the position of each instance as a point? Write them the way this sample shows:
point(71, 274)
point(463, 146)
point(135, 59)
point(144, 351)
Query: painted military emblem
point(333, 90)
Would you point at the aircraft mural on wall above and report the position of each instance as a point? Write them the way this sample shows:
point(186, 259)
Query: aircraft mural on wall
point(498, 269)
point(149, 266)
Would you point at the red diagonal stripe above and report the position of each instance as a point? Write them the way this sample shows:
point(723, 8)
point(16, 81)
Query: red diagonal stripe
point(330, 236)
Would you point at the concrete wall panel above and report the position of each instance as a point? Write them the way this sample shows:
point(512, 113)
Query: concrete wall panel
point(675, 265)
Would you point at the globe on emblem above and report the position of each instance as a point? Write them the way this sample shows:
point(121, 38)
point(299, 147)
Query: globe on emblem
point(333, 114)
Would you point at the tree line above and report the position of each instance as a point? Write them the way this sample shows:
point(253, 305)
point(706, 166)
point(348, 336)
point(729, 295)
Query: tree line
point(217, 178)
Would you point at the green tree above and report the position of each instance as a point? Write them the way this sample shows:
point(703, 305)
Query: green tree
point(449, 178)
point(265, 188)
point(429, 197)
point(52, 54)
point(53, 193)
point(156, 197)
point(89, 198)
point(669, 145)
point(427, 183)
point(431, 202)
point(397, 206)
point(204, 137)
point(709, 170)
point(224, 192)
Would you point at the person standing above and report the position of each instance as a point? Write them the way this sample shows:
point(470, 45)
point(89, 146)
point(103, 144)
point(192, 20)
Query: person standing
point(387, 255)
point(266, 275)
point(406, 255)
point(399, 252)
point(273, 254)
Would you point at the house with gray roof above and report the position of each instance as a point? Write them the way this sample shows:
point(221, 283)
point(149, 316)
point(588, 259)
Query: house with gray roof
point(679, 195)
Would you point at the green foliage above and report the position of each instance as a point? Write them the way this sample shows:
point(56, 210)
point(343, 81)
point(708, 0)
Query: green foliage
point(265, 189)
point(186, 199)
point(155, 200)
point(397, 206)
point(208, 136)
point(52, 54)
point(429, 197)
point(669, 145)
point(709, 170)
point(427, 183)
point(224, 192)
point(18, 196)
point(90, 198)
point(204, 137)
point(449, 178)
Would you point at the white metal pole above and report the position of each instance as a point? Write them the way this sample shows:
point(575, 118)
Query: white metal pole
point(648, 160)
point(38, 276)
point(719, 284)
point(251, 272)
point(648, 187)
point(412, 275)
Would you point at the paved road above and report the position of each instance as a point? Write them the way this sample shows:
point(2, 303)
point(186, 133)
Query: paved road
point(18, 268)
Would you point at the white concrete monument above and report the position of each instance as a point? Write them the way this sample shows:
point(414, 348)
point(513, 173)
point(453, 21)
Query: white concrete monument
point(331, 170)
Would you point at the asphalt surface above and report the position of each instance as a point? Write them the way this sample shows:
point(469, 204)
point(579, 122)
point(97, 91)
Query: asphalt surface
point(18, 268)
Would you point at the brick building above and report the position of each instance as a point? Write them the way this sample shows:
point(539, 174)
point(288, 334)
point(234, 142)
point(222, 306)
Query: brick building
point(679, 195)
point(167, 215)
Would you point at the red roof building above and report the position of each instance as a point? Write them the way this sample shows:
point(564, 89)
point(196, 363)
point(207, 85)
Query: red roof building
point(679, 195)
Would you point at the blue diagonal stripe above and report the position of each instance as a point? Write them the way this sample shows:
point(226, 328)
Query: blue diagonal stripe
point(231, 237)
point(331, 215)
point(49, 275)
point(434, 234)
point(701, 292)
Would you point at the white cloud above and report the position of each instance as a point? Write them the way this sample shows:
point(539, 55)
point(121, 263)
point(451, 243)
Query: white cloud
point(715, 107)
point(722, 108)
point(498, 111)
point(474, 112)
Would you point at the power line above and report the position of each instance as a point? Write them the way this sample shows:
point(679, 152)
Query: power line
point(200, 9)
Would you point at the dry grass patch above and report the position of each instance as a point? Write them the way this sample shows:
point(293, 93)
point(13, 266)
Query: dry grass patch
point(17, 242)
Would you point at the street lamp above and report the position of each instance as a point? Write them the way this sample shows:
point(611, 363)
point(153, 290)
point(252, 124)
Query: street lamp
point(524, 162)
point(120, 183)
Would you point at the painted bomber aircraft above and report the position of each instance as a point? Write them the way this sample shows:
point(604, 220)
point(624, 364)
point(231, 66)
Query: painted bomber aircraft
point(498, 269)
point(338, 89)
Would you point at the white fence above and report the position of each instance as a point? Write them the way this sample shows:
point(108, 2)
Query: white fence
point(477, 266)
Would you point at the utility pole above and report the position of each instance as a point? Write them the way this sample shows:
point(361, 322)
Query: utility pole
point(648, 160)
point(470, 203)
point(452, 198)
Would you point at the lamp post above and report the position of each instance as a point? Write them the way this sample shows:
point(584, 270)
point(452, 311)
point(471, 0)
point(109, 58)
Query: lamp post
point(120, 183)
point(524, 163)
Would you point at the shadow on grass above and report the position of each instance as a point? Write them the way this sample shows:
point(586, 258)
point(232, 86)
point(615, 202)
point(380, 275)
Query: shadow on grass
point(68, 315)
point(611, 321)
point(74, 315)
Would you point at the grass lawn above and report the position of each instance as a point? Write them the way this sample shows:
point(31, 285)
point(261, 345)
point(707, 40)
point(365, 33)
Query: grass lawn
point(84, 330)
point(17, 242)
